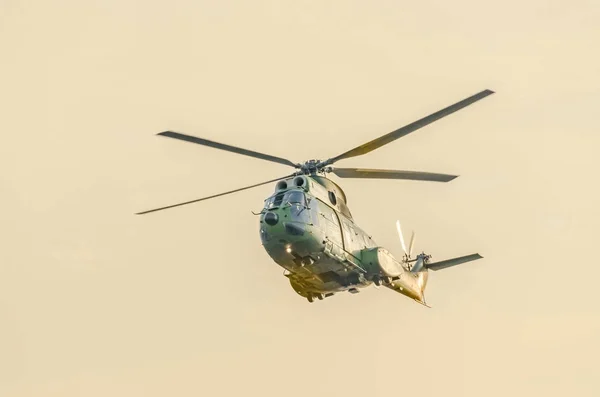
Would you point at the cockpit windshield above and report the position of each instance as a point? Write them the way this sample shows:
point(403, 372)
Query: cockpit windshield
point(274, 201)
point(295, 197)
point(291, 197)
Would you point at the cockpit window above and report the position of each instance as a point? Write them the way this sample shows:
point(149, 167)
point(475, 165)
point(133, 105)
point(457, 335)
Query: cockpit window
point(274, 201)
point(295, 197)
point(278, 199)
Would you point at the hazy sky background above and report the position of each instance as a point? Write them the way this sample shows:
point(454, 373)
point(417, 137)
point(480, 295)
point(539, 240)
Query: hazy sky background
point(95, 301)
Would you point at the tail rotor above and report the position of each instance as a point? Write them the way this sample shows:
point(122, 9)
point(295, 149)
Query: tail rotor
point(421, 260)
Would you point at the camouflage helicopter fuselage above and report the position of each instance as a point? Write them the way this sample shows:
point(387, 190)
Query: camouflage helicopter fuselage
point(307, 228)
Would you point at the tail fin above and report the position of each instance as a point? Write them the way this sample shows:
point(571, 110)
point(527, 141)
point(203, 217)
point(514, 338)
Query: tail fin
point(452, 262)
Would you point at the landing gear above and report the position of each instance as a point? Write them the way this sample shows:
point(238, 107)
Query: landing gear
point(378, 281)
point(311, 297)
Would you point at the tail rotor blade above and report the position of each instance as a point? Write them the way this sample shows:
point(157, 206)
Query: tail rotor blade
point(411, 244)
point(401, 237)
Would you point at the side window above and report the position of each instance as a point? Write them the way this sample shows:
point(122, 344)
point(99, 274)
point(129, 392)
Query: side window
point(332, 198)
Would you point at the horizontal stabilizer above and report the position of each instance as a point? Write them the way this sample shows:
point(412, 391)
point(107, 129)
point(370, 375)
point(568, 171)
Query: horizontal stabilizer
point(452, 262)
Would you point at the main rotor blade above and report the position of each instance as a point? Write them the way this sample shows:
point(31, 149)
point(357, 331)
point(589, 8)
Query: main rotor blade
point(229, 148)
point(392, 136)
point(213, 196)
point(391, 174)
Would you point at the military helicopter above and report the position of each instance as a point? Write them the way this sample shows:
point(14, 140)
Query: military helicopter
point(306, 226)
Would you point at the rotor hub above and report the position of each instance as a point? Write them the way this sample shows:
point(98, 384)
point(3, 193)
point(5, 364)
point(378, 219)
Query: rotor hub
point(311, 167)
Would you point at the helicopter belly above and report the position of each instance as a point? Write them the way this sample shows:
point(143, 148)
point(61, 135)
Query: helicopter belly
point(319, 278)
point(315, 264)
point(309, 255)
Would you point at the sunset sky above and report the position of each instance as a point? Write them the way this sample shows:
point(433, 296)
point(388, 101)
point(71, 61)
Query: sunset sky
point(96, 301)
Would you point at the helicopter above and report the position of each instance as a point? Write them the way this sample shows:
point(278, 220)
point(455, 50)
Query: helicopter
point(306, 226)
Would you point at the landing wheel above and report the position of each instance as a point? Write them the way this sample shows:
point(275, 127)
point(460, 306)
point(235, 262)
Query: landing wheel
point(310, 298)
point(388, 280)
point(377, 281)
point(320, 296)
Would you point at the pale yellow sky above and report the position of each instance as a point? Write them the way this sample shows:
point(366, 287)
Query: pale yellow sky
point(95, 301)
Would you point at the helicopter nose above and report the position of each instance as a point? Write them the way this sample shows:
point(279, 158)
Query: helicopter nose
point(271, 218)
